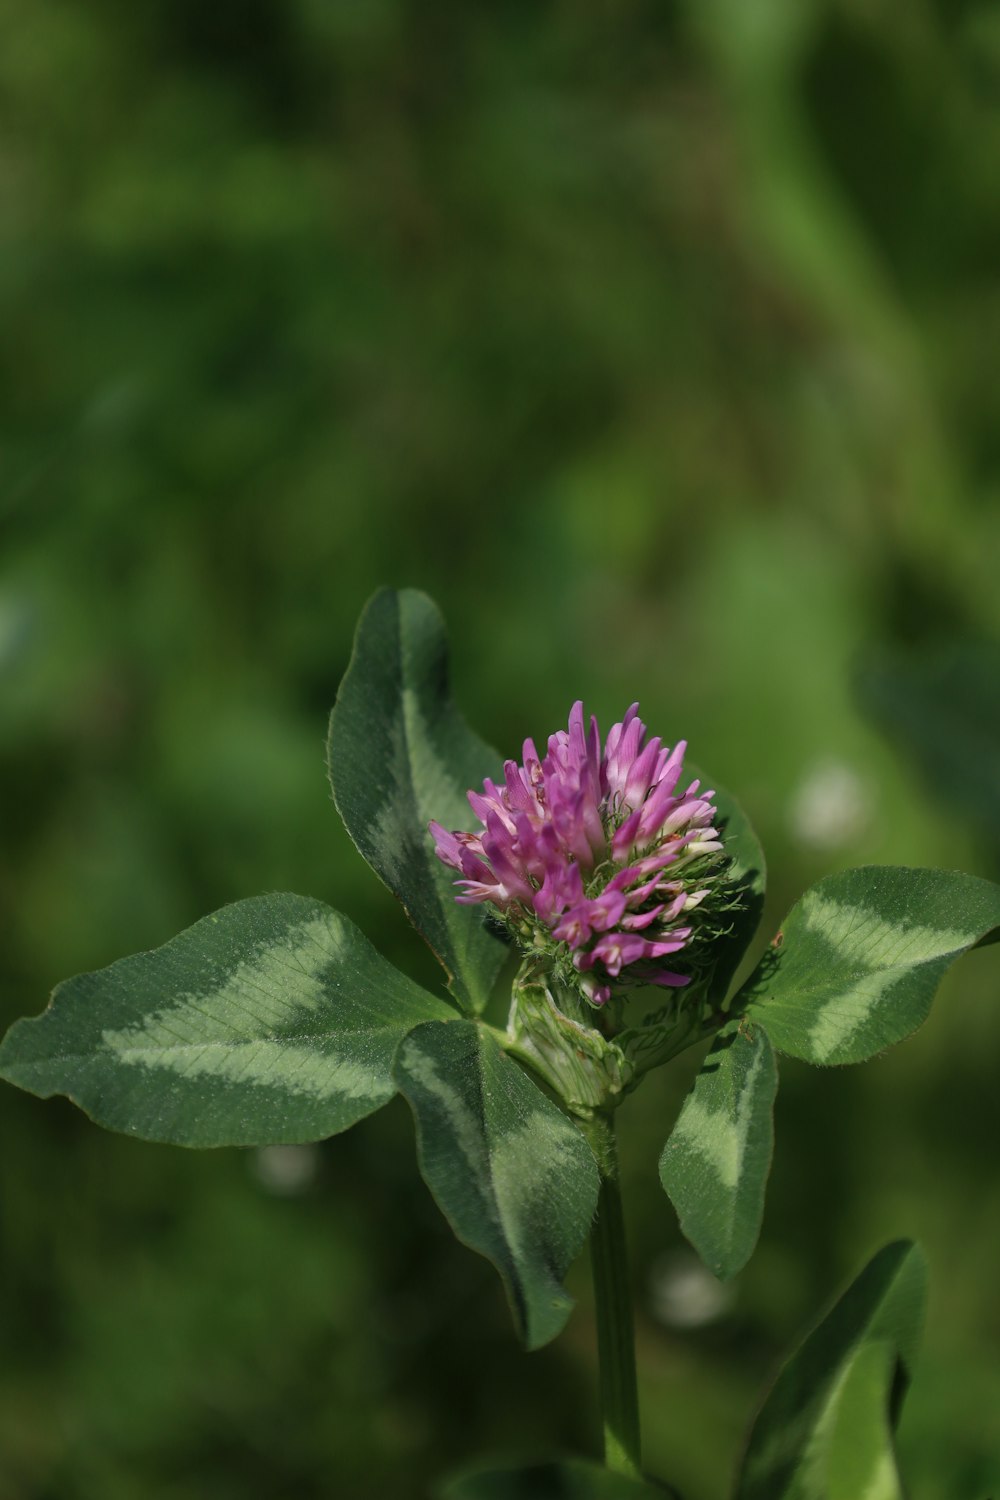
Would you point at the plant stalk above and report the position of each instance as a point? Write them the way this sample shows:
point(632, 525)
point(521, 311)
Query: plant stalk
point(613, 1303)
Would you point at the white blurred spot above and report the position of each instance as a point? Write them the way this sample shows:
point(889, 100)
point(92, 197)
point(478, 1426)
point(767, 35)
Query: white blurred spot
point(286, 1170)
point(683, 1294)
point(15, 628)
point(831, 806)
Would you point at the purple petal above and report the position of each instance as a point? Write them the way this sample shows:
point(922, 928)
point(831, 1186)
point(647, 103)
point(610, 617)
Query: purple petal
point(673, 765)
point(640, 774)
point(617, 730)
point(597, 994)
point(561, 888)
point(624, 839)
point(446, 846)
point(475, 892)
point(519, 798)
point(484, 804)
point(567, 818)
point(682, 814)
point(637, 921)
point(577, 733)
point(606, 910)
point(617, 949)
point(499, 850)
point(672, 944)
point(573, 926)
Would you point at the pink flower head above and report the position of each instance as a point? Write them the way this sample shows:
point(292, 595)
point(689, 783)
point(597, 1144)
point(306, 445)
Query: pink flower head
point(592, 855)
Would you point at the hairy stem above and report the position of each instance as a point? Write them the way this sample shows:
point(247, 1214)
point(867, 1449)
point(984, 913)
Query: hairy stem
point(613, 1302)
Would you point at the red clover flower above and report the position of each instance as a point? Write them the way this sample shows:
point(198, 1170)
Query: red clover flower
point(593, 860)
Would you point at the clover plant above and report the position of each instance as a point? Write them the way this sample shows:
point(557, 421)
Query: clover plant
point(611, 891)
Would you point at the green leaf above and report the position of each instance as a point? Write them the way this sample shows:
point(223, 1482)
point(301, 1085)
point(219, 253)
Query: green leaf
point(824, 1432)
point(862, 1460)
point(714, 1166)
point(513, 1176)
point(861, 955)
point(572, 1479)
point(272, 1020)
point(746, 881)
point(400, 754)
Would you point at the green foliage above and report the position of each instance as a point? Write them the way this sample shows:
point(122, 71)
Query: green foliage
point(855, 969)
point(715, 1164)
point(860, 957)
point(570, 1480)
point(667, 375)
point(824, 1432)
point(941, 708)
point(860, 1459)
point(399, 755)
point(510, 1171)
point(272, 1020)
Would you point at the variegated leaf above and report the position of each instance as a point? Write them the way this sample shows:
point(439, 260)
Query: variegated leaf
point(860, 956)
point(512, 1174)
point(715, 1164)
point(824, 1432)
point(400, 754)
point(272, 1020)
point(862, 1458)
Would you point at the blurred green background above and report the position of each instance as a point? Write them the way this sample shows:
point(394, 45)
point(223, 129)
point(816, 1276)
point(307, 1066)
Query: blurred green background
point(657, 342)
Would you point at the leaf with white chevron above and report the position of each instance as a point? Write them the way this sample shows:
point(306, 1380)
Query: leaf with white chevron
point(716, 1161)
point(400, 754)
point(272, 1020)
point(860, 956)
point(511, 1173)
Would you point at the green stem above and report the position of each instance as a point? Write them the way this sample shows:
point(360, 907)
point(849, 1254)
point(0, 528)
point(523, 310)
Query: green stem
point(613, 1303)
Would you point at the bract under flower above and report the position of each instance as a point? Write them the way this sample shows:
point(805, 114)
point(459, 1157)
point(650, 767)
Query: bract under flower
point(598, 858)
